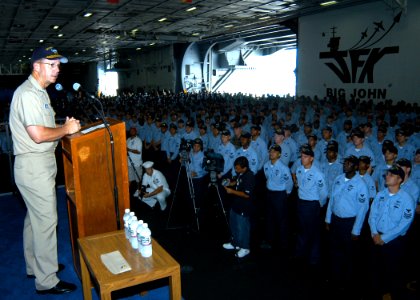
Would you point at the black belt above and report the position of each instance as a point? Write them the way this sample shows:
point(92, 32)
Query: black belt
point(343, 219)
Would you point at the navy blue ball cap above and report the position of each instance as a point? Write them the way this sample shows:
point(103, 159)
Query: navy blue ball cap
point(47, 53)
point(404, 162)
point(246, 135)
point(353, 159)
point(275, 147)
point(307, 150)
point(397, 170)
point(226, 132)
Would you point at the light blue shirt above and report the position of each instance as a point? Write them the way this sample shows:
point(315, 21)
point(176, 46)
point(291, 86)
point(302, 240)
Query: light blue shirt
point(364, 151)
point(173, 144)
point(278, 177)
point(228, 153)
point(261, 148)
point(412, 189)
point(391, 215)
point(379, 175)
point(196, 164)
point(214, 141)
point(349, 198)
point(407, 151)
point(252, 157)
point(312, 184)
point(293, 148)
point(286, 153)
point(370, 184)
point(331, 171)
point(415, 174)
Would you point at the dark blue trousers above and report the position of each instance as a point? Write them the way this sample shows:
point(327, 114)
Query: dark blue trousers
point(309, 231)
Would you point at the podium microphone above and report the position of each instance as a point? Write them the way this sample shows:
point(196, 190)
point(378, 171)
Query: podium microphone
point(78, 87)
point(58, 87)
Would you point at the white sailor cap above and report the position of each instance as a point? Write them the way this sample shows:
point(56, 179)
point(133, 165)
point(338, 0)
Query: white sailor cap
point(148, 164)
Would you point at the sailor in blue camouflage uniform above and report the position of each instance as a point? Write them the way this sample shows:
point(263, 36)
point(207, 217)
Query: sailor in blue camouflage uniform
point(391, 215)
point(347, 208)
point(312, 193)
point(279, 185)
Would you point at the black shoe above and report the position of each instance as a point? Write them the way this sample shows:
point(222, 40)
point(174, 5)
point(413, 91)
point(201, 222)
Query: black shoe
point(61, 267)
point(62, 287)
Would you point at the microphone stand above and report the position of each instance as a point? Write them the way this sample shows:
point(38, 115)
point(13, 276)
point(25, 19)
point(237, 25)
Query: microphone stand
point(111, 139)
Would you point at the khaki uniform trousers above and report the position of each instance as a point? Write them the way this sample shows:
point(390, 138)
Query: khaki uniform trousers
point(35, 178)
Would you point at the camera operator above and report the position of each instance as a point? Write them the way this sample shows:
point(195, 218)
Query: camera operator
point(197, 171)
point(242, 190)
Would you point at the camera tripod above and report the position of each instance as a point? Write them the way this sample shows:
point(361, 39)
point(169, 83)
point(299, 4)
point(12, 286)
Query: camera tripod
point(135, 172)
point(186, 165)
point(213, 182)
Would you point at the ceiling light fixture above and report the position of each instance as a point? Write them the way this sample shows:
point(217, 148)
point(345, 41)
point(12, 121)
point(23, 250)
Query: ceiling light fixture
point(41, 41)
point(196, 34)
point(228, 25)
point(87, 14)
point(138, 49)
point(55, 27)
point(328, 3)
point(151, 44)
point(60, 35)
point(162, 19)
point(191, 8)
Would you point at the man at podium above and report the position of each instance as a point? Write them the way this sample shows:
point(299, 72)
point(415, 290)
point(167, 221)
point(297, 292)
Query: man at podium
point(35, 136)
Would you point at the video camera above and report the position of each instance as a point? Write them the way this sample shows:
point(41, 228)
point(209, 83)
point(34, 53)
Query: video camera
point(213, 163)
point(184, 148)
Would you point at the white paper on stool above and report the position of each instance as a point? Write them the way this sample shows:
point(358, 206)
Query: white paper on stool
point(115, 262)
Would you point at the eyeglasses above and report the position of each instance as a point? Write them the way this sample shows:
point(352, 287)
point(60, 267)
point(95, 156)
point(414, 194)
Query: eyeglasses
point(52, 65)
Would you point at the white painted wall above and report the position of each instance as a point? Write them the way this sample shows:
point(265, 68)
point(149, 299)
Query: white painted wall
point(395, 76)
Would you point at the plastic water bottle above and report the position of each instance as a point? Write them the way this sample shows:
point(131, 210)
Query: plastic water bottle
point(127, 228)
point(138, 230)
point(145, 247)
point(133, 233)
point(125, 219)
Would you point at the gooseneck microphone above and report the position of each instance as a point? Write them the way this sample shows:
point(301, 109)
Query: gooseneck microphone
point(58, 87)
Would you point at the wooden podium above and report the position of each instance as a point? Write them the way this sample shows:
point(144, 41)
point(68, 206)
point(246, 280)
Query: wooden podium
point(89, 181)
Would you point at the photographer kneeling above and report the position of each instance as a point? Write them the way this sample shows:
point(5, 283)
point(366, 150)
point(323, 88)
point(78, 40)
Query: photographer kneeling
point(154, 187)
